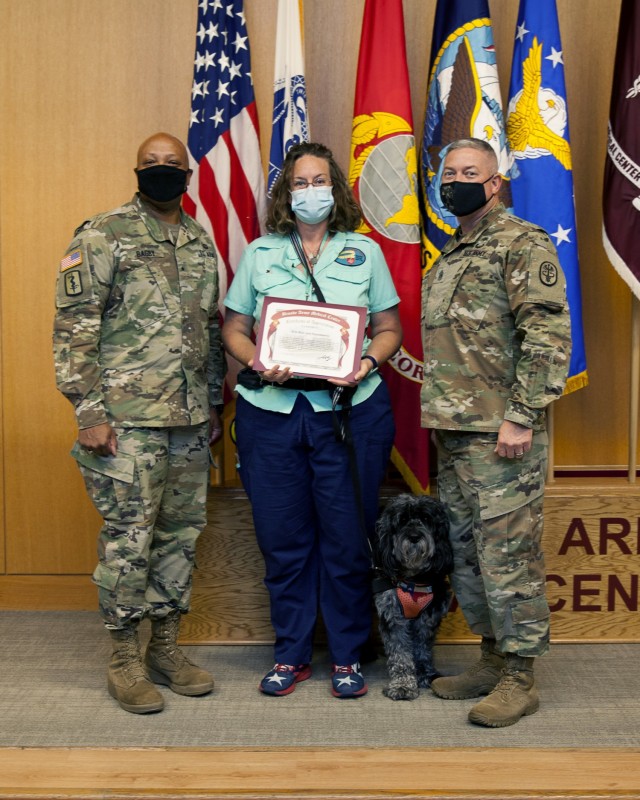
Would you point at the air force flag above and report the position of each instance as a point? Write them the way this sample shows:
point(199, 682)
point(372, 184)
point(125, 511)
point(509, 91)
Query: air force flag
point(538, 132)
point(290, 121)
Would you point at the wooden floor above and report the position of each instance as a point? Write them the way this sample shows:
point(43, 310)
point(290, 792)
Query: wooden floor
point(318, 773)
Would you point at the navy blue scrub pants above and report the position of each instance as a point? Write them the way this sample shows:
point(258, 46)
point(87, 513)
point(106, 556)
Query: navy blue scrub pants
point(299, 481)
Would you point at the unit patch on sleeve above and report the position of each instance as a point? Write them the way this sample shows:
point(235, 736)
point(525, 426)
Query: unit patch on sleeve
point(73, 259)
point(73, 283)
point(351, 257)
point(548, 273)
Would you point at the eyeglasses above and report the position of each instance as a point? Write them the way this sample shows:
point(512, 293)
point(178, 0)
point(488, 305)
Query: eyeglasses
point(301, 183)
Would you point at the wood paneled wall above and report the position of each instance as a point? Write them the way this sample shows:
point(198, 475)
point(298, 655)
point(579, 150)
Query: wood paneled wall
point(82, 82)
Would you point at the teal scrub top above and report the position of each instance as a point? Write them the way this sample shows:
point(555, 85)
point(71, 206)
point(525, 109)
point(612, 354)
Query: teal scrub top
point(351, 271)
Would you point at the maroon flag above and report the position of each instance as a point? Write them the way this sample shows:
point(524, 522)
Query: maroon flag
point(621, 197)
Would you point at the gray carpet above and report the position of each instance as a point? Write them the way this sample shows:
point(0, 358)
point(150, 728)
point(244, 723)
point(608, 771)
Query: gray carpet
point(53, 693)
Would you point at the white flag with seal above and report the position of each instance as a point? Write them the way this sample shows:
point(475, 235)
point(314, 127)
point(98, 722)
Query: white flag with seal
point(290, 119)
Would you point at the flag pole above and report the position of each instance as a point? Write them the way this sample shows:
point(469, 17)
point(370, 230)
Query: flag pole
point(633, 394)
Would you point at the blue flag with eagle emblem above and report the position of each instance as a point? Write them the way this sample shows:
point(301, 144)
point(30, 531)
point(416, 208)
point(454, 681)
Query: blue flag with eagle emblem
point(538, 133)
point(463, 100)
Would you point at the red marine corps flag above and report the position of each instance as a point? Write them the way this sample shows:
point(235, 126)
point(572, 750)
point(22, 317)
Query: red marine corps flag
point(383, 173)
point(621, 200)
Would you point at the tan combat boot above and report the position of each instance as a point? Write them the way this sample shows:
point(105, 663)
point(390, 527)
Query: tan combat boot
point(479, 679)
point(515, 696)
point(127, 679)
point(168, 665)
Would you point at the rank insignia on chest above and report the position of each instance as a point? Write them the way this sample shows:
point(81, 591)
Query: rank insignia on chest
point(74, 259)
point(351, 257)
point(73, 283)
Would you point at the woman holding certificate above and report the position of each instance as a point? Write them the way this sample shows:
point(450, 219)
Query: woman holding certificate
point(314, 425)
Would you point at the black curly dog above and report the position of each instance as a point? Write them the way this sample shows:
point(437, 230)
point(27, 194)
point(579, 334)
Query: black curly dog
point(411, 591)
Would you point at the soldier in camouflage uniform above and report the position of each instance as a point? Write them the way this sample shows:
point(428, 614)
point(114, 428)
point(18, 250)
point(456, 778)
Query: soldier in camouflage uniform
point(138, 353)
point(496, 336)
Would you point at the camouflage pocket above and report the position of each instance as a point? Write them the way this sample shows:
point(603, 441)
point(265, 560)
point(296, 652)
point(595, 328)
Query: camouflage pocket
point(471, 297)
point(143, 286)
point(62, 355)
point(207, 297)
point(525, 612)
point(111, 483)
point(105, 577)
point(526, 483)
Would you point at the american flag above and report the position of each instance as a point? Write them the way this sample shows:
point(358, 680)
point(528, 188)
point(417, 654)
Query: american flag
point(72, 260)
point(226, 194)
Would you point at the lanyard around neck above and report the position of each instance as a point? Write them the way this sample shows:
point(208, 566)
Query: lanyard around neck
point(297, 246)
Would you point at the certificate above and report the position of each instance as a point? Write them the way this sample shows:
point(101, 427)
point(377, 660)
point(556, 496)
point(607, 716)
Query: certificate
point(314, 340)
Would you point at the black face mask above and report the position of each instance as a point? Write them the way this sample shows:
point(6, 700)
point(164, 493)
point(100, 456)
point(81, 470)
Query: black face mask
point(162, 183)
point(461, 198)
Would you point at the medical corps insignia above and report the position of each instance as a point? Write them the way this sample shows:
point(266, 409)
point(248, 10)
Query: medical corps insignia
point(73, 283)
point(548, 273)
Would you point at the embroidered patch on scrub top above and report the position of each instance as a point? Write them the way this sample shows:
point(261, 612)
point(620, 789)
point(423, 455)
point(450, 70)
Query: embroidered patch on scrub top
point(351, 257)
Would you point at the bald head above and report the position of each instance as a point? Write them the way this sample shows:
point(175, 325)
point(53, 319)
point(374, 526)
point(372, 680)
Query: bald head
point(162, 149)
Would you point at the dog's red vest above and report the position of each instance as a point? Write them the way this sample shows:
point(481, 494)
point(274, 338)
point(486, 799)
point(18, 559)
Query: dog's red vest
point(414, 598)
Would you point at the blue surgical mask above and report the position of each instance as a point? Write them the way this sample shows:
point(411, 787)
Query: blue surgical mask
point(313, 204)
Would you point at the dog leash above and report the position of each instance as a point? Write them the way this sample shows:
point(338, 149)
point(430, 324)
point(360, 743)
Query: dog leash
point(342, 433)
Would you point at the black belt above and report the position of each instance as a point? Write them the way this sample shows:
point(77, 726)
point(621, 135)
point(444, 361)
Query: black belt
point(250, 379)
point(305, 384)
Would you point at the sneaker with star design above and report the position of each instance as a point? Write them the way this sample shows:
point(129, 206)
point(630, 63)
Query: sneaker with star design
point(282, 678)
point(347, 681)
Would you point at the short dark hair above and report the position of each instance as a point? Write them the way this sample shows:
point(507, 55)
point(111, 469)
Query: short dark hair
point(345, 214)
point(475, 144)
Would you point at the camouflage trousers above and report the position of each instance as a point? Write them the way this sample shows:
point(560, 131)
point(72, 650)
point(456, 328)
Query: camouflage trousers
point(495, 508)
point(152, 499)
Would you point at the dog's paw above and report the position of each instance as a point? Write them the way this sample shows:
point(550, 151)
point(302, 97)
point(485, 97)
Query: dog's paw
point(401, 692)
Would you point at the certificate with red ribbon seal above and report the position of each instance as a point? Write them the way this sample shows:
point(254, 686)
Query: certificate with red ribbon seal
point(316, 340)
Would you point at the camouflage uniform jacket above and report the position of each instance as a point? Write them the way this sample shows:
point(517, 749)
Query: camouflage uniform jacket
point(137, 334)
point(495, 327)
